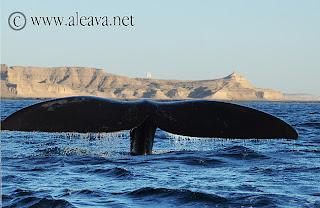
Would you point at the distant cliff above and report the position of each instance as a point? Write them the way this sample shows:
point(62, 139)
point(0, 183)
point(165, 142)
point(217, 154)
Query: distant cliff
point(301, 97)
point(37, 82)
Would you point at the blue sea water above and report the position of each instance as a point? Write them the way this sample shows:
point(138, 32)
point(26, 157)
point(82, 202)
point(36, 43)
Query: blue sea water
point(96, 170)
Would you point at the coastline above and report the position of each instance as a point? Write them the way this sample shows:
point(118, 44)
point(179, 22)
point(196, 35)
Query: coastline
point(170, 100)
point(43, 83)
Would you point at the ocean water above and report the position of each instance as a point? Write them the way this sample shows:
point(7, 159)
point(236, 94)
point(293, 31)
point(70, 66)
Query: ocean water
point(96, 170)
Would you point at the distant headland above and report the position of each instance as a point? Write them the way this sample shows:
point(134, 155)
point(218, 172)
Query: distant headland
point(40, 83)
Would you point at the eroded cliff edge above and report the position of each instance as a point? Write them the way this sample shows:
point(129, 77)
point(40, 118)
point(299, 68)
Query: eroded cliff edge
point(39, 82)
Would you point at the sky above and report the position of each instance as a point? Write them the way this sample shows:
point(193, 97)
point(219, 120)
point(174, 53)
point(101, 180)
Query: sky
point(274, 44)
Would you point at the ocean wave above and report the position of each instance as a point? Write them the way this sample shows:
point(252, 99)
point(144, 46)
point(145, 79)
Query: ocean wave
point(35, 202)
point(64, 151)
point(10, 178)
point(181, 195)
point(75, 151)
point(263, 200)
point(248, 188)
point(240, 152)
point(84, 192)
point(26, 198)
point(117, 171)
point(194, 158)
point(248, 197)
point(267, 171)
point(279, 170)
point(304, 150)
point(87, 160)
point(310, 124)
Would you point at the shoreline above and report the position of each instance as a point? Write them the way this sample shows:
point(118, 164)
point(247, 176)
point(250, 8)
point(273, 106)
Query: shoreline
point(173, 100)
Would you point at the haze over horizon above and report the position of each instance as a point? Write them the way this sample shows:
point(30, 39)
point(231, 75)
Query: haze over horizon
point(274, 44)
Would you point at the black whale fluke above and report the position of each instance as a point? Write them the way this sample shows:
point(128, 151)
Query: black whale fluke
point(199, 118)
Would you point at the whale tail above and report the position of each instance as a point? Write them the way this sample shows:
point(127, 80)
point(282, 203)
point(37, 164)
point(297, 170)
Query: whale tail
point(200, 118)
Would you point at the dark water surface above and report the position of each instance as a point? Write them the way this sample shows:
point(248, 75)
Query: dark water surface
point(96, 170)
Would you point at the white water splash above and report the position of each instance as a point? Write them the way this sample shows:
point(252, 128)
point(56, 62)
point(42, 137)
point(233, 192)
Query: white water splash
point(104, 144)
point(180, 143)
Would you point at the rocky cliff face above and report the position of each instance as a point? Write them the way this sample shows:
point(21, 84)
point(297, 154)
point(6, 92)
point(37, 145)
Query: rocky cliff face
point(301, 97)
point(36, 82)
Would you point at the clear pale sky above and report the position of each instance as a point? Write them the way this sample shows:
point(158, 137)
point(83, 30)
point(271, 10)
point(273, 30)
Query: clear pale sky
point(273, 43)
